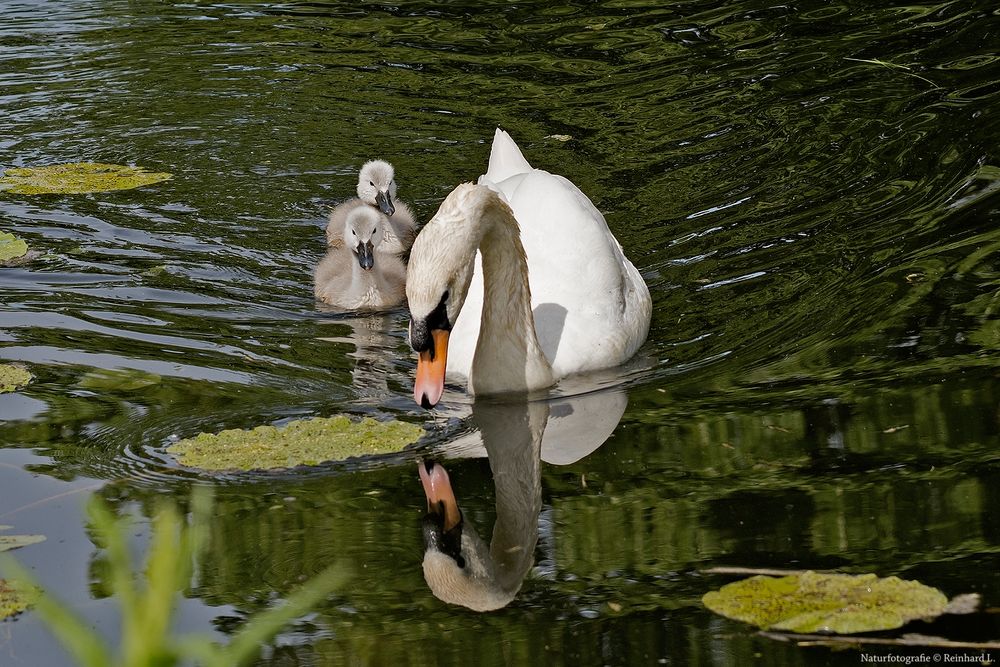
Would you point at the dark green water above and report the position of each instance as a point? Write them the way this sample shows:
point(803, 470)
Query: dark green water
point(821, 237)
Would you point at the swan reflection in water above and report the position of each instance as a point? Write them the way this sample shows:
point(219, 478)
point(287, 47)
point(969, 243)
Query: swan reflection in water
point(458, 565)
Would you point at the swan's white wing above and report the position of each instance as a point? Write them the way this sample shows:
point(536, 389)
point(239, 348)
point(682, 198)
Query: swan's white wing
point(506, 160)
point(591, 305)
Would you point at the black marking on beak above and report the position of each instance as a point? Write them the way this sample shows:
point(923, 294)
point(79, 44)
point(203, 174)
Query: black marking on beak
point(384, 203)
point(420, 336)
point(365, 257)
point(421, 328)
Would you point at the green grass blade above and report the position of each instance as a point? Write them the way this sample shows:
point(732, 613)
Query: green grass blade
point(167, 571)
point(263, 626)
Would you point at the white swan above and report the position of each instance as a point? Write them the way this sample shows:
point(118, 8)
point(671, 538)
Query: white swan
point(554, 297)
point(458, 565)
point(377, 187)
point(361, 270)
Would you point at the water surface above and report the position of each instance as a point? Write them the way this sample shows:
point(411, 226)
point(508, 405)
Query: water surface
point(810, 191)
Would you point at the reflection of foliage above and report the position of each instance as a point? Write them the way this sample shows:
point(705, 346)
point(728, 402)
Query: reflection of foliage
point(265, 539)
point(815, 602)
point(891, 479)
point(118, 380)
point(76, 178)
point(147, 611)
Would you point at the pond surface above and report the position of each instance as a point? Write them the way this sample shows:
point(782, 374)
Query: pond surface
point(811, 191)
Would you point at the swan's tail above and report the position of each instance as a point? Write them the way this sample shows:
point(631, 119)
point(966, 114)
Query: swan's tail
point(505, 160)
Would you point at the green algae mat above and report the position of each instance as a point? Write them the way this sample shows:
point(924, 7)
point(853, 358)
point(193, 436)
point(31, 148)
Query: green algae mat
point(301, 442)
point(15, 598)
point(835, 603)
point(77, 178)
point(13, 378)
point(11, 247)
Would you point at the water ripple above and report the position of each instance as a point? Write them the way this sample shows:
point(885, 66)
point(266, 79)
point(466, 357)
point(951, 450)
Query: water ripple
point(776, 173)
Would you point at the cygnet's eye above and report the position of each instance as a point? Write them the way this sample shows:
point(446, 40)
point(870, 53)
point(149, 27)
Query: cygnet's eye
point(371, 183)
point(353, 233)
point(373, 232)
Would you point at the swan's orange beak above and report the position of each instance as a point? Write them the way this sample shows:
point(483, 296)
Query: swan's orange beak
point(440, 496)
point(431, 366)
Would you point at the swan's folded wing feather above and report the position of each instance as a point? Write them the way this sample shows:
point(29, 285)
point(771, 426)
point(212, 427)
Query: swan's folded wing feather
point(506, 159)
point(591, 323)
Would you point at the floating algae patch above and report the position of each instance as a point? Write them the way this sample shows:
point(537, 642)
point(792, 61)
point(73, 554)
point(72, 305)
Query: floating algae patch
point(837, 603)
point(13, 378)
point(77, 178)
point(8, 542)
point(302, 442)
point(11, 248)
point(15, 598)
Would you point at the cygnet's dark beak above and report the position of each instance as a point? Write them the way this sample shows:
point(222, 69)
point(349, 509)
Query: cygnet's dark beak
point(366, 258)
point(384, 203)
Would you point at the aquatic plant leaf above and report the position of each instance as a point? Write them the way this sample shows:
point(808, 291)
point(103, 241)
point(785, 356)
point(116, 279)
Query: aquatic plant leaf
point(302, 442)
point(77, 178)
point(836, 603)
point(8, 542)
point(13, 378)
point(15, 598)
point(105, 379)
point(11, 247)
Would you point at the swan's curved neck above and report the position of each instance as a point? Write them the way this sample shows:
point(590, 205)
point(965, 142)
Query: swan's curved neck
point(512, 434)
point(508, 357)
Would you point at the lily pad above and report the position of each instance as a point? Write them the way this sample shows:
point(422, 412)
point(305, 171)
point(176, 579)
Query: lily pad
point(15, 598)
point(8, 542)
point(77, 178)
point(301, 442)
point(11, 247)
point(13, 378)
point(835, 603)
